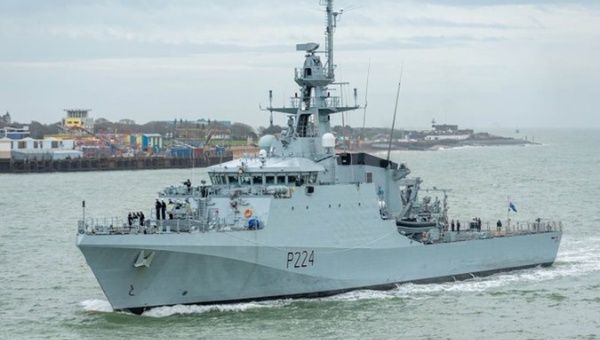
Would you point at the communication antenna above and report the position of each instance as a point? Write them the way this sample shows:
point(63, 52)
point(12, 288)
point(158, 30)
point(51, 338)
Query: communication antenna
point(271, 105)
point(343, 131)
point(362, 131)
point(395, 112)
point(332, 18)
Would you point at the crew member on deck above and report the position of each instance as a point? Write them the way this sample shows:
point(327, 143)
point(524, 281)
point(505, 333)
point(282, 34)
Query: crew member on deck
point(457, 226)
point(163, 209)
point(452, 225)
point(157, 207)
point(171, 206)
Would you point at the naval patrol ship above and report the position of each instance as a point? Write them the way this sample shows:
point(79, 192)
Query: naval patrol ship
point(299, 220)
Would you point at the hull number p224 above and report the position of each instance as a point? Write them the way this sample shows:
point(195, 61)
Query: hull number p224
point(300, 259)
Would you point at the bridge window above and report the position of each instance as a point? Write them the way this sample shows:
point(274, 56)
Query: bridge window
point(307, 72)
point(369, 177)
point(269, 179)
point(257, 180)
point(280, 179)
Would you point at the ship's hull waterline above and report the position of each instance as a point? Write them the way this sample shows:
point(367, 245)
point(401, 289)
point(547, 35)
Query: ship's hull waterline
point(191, 272)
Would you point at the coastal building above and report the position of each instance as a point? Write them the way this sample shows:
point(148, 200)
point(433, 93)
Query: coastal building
point(221, 134)
point(151, 142)
point(15, 133)
point(127, 121)
point(444, 128)
point(78, 119)
point(447, 132)
point(5, 144)
point(447, 137)
point(5, 118)
point(39, 149)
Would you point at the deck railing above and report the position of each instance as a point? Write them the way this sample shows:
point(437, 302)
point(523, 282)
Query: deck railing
point(116, 225)
point(513, 228)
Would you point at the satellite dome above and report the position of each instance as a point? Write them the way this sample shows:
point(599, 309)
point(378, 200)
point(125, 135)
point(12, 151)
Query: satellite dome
point(265, 142)
point(328, 140)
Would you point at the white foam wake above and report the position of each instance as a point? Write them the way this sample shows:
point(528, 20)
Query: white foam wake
point(103, 306)
point(161, 312)
point(582, 258)
point(96, 305)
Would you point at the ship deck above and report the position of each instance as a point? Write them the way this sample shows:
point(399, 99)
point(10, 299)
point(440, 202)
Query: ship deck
point(118, 226)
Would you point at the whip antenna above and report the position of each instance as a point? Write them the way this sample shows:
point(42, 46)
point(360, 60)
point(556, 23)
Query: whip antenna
point(395, 112)
point(362, 131)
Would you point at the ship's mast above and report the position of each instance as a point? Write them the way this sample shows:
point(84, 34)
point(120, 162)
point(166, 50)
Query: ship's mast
point(329, 35)
point(312, 105)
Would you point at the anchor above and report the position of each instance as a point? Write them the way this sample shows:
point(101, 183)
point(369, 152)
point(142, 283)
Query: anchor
point(143, 260)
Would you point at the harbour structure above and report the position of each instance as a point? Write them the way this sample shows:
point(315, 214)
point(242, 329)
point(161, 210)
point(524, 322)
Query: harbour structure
point(298, 220)
point(149, 142)
point(30, 149)
point(5, 118)
point(15, 132)
point(78, 120)
point(447, 132)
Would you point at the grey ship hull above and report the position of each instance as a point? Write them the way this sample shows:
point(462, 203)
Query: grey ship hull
point(228, 267)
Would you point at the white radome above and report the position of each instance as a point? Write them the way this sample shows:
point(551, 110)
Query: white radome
point(328, 140)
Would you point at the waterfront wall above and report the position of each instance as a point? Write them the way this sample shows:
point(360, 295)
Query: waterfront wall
point(108, 164)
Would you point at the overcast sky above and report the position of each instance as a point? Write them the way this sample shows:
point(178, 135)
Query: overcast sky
point(477, 63)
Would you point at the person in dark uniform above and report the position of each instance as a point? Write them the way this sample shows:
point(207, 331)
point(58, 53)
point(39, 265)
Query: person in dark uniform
point(188, 184)
point(163, 210)
point(157, 207)
point(478, 224)
point(142, 218)
point(130, 219)
point(203, 189)
point(499, 225)
point(457, 226)
point(452, 225)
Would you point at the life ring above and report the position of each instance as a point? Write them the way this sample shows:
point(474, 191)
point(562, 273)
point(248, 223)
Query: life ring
point(248, 213)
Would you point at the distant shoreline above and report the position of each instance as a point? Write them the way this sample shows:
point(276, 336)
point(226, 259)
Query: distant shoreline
point(433, 145)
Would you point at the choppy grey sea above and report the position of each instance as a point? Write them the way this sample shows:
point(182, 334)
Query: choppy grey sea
point(47, 291)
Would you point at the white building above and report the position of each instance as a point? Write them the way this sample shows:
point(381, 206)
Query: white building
point(447, 137)
point(39, 149)
point(5, 148)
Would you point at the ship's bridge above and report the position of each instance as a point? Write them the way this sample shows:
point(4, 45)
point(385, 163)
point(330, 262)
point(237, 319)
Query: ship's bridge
point(265, 171)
